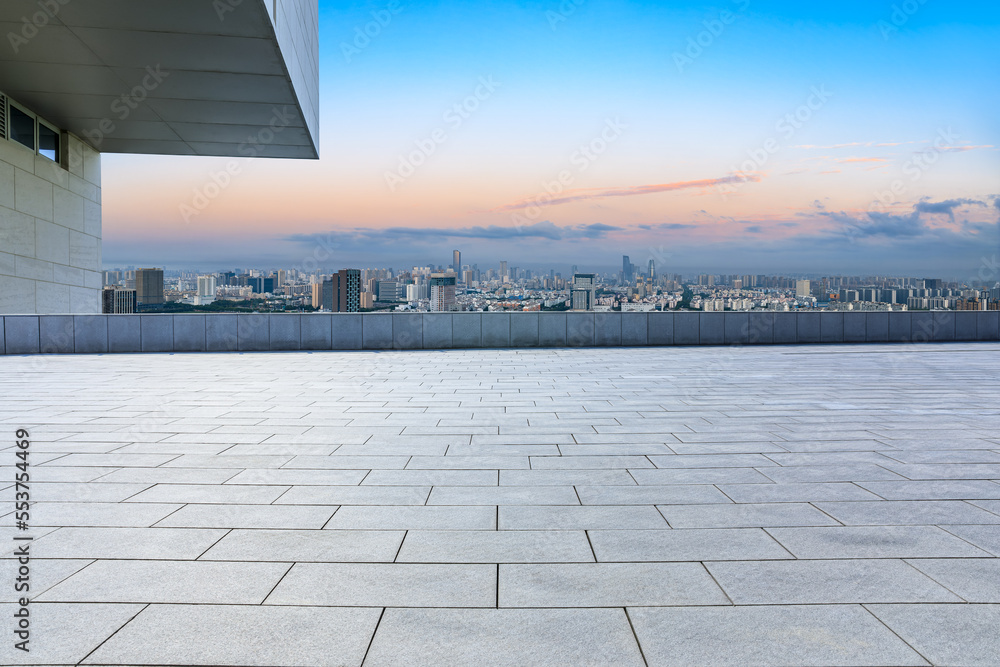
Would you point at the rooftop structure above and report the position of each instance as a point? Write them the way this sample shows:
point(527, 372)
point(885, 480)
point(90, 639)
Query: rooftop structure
point(233, 78)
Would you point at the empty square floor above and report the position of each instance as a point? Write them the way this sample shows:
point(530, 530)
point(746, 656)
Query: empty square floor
point(809, 505)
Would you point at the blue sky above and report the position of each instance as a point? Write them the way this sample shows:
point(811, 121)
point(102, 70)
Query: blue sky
point(819, 110)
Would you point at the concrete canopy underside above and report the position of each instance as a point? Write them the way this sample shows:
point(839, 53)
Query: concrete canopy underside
point(173, 77)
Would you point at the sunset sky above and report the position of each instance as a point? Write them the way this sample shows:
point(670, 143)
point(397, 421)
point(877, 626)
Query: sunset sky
point(741, 136)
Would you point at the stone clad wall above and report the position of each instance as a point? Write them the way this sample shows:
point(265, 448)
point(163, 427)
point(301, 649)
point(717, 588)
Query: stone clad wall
point(88, 334)
point(50, 230)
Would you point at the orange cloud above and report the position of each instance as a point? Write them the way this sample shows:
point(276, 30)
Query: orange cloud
point(580, 194)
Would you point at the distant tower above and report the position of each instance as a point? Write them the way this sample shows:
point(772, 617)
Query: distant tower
point(652, 270)
point(584, 291)
point(626, 269)
point(456, 262)
point(503, 271)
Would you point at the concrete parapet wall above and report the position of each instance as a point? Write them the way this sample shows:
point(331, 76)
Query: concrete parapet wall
point(98, 334)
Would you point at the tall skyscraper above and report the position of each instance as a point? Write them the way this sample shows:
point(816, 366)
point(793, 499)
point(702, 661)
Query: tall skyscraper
point(456, 262)
point(149, 288)
point(348, 291)
point(802, 288)
point(652, 270)
point(442, 292)
point(584, 292)
point(504, 276)
point(626, 269)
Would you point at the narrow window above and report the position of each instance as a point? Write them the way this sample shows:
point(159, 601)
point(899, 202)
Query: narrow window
point(22, 128)
point(48, 142)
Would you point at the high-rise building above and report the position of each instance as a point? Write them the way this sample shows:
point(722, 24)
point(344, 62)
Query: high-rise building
point(584, 291)
point(626, 269)
point(348, 291)
point(504, 276)
point(802, 288)
point(117, 301)
point(341, 293)
point(149, 288)
point(456, 262)
point(388, 290)
point(442, 292)
point(206, 290)
point(652, 270)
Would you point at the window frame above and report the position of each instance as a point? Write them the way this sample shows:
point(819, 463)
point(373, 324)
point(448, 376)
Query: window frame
point(37, 123)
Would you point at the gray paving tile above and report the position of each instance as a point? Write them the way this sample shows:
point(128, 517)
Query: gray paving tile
point(248, 516)
point(972, 579)
point(84, 492)
point(826, 582)
point(223, 461)
point(181, 582)
point(684, 494)
point(289, 477)
point(44, 573)
point(857, 472)
point(513, 517)
point(503, 495)
point(946, 634)
point(588, 462)
point(566, 478)
point(504, 638)
point(145, 543)
point(241, 635)
point(431, 478)
point(712, 461)
point(67, 640)
point(775, 635)
point(745, 515)
point(467, 462)
point(907, 512)
point(700, 476)
point(608, 585)
point(984, 537)
point(387, 585)
point(209, 493)
point(935, 490)
point(456, 546)
point(147, 476)
point(355, 495)
point(685, 545)
point(796, 493)
point(334, 462)
point(414, 517)
point(874, 542)
point(315, 546)
point(100, 514)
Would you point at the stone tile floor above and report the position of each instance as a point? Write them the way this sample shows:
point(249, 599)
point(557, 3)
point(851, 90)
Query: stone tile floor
point(825, 505)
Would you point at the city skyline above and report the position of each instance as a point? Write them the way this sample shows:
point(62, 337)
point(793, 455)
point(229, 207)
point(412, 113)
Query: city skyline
point(747, 136)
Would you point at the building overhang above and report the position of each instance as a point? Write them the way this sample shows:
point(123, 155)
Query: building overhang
point(169, 77)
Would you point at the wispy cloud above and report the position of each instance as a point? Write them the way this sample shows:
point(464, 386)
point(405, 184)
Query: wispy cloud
point(848, 160)
point(581, 194)
point(961, 149)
